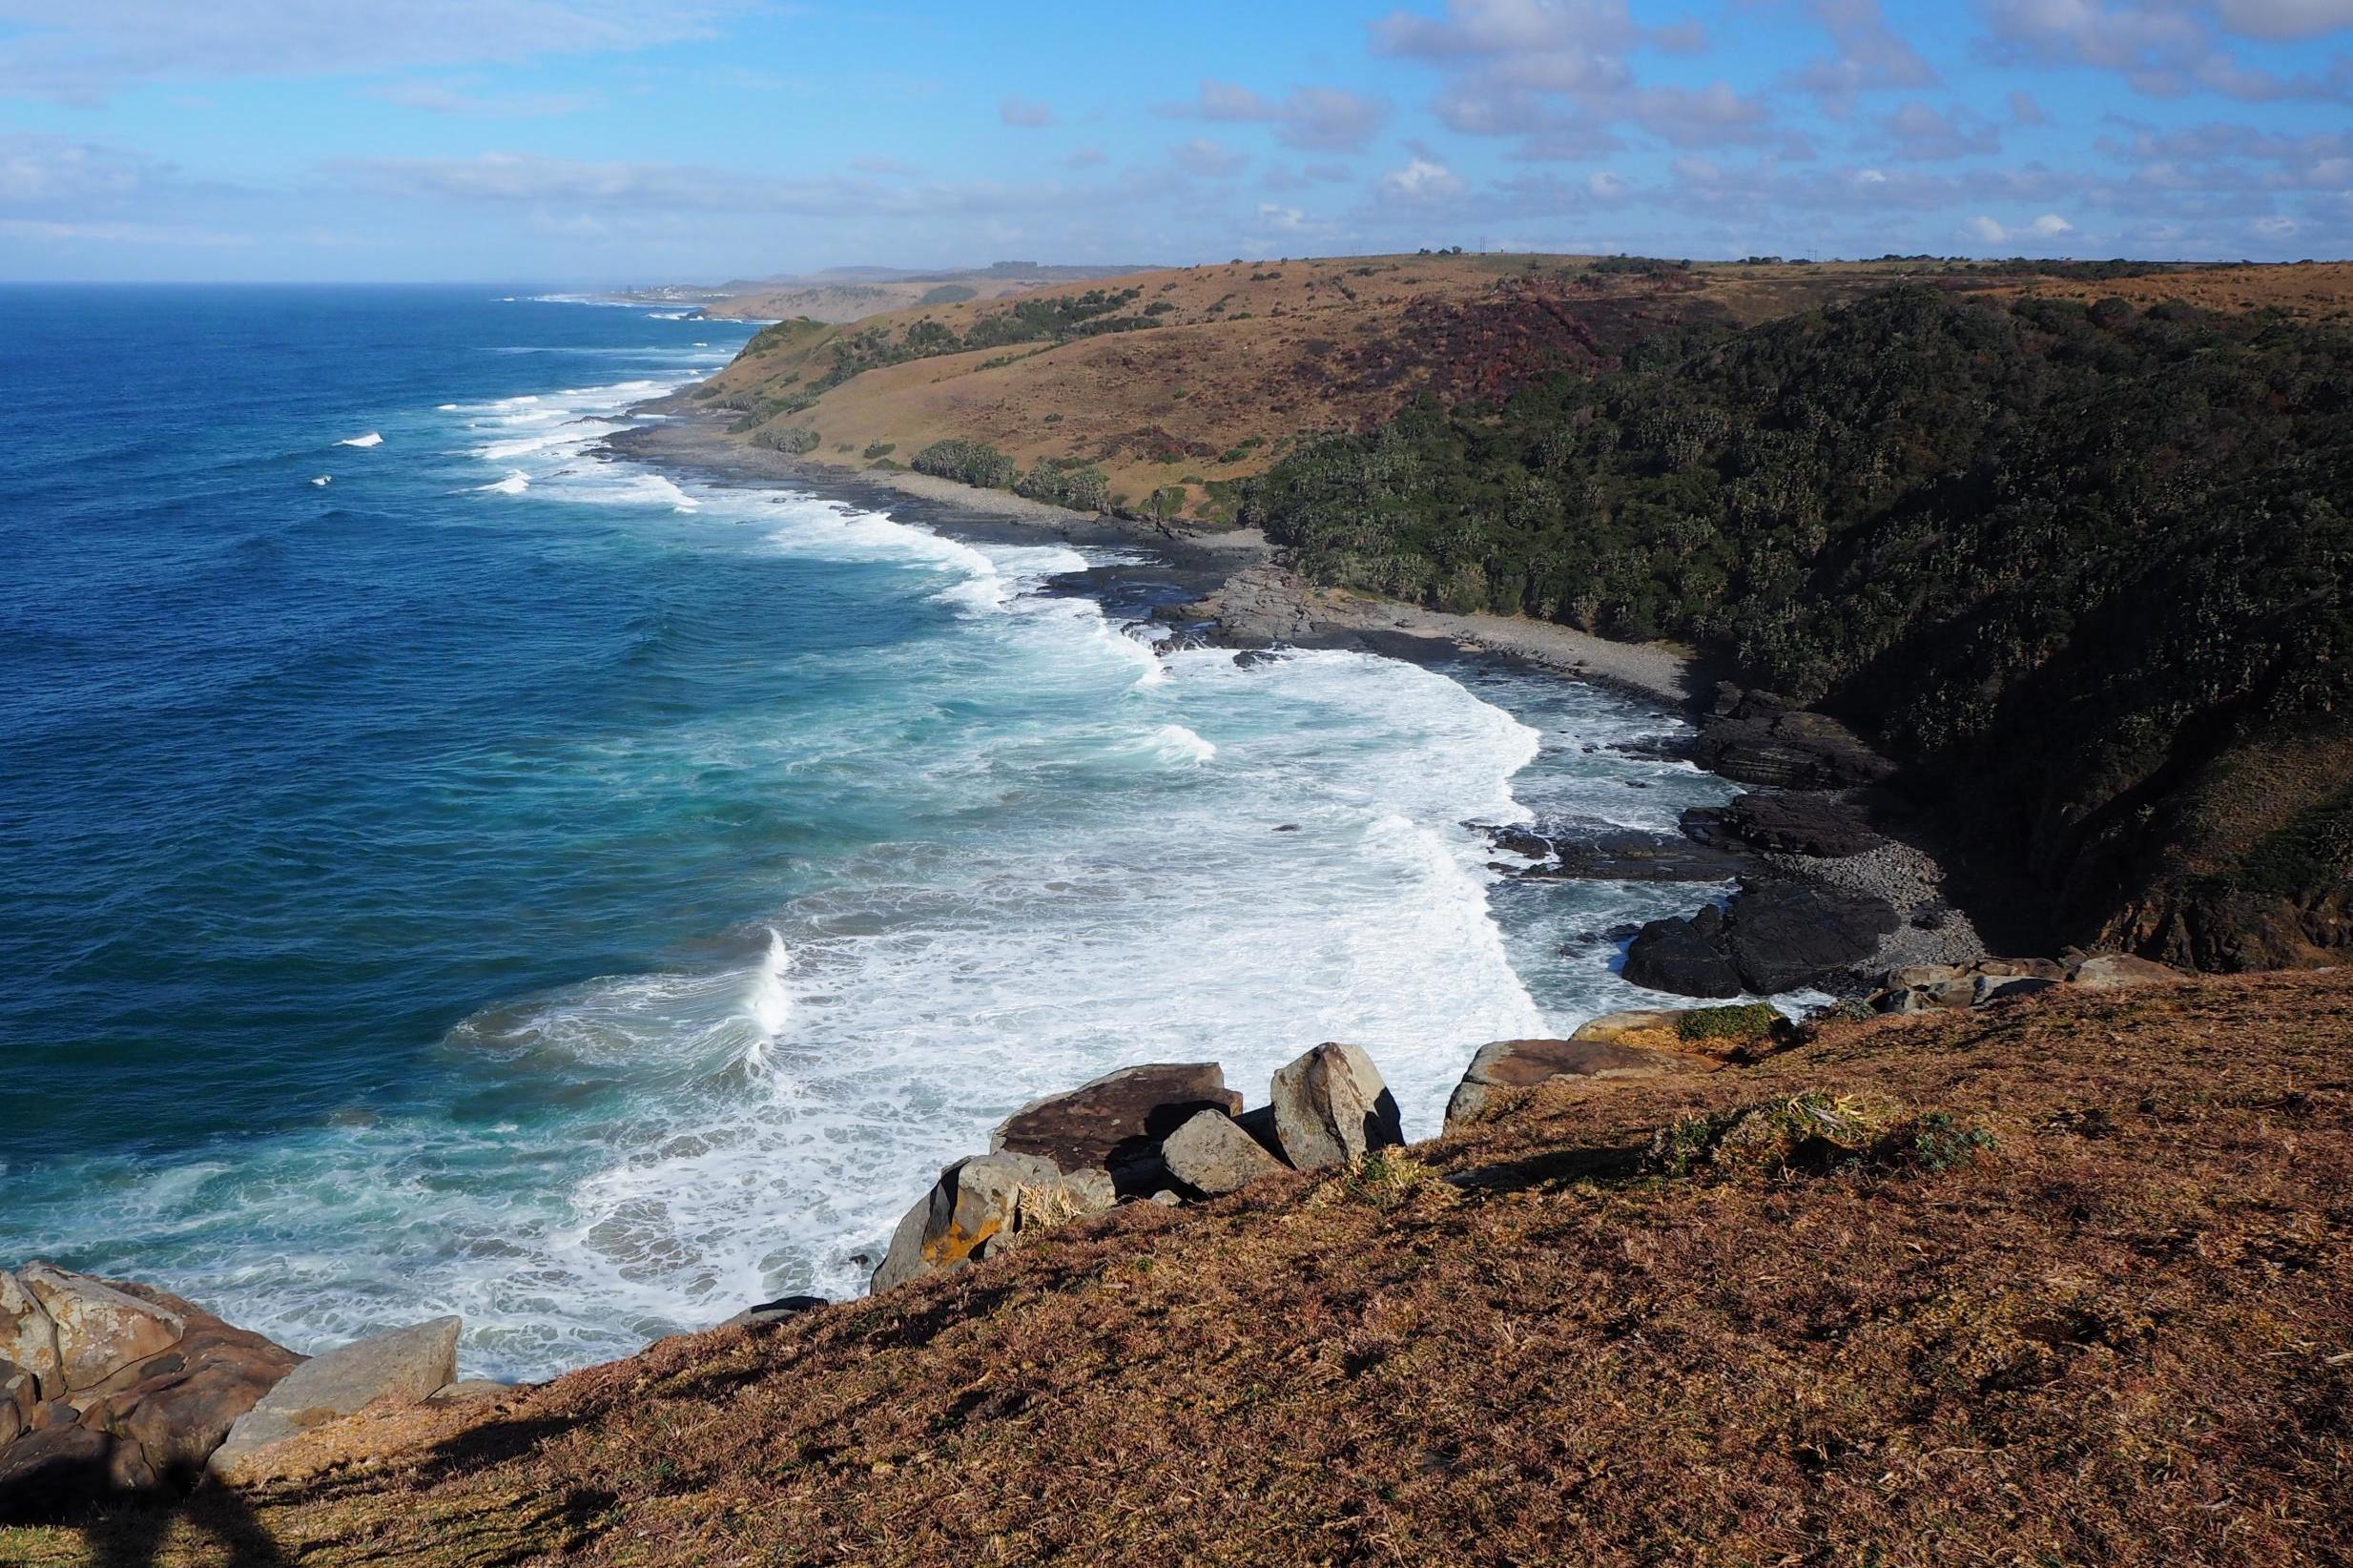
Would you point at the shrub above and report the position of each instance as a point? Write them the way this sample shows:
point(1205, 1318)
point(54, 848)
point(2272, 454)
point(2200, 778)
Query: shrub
point(880, 449)
point(794, 439)
point(971, 462)
point(1079, 486)
point(1745, 1021)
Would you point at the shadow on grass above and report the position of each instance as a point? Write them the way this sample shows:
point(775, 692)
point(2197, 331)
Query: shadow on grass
point(133, 1537)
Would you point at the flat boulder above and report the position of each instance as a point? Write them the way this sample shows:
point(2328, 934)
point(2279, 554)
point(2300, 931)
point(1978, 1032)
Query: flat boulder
point(399, 1366)
point(1331, 1105)
point(2114, 971)
point(1506, 1064)
point(1675, 955)
point(1211, 1154)
point(1628, 855)
point(1115, 1122)
point(983, 1205)
point(776, 1311)
point(1781, 935)
point(99, 1329)
point(1778, 822)
point(1758, 738)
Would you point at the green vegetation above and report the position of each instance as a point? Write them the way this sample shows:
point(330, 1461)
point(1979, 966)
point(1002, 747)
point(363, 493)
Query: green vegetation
point(878, 449)
point(1068, 482)
point(794, 439)
point(949, 294)
point(1815, 1132)
point(2079, 556)
point(973, 463)
point(1745, 1021)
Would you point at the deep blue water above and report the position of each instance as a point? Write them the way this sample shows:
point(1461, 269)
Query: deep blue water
point(506, 880)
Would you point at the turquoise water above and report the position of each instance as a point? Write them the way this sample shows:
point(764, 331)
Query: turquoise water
point(503, 881)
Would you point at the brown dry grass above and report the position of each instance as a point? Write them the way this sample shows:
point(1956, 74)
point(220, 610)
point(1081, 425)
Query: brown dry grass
point(2316, 289)
point(1271, 350)
point(2125, 1335)
point(1263, 350)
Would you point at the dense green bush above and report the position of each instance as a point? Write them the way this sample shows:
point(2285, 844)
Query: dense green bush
point(1078, 485)
point(2072, 554)
point(794, 439)
point(968, 463)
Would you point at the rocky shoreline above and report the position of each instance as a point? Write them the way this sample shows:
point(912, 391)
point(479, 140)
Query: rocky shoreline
point(110, 1388)
point(1861, 906)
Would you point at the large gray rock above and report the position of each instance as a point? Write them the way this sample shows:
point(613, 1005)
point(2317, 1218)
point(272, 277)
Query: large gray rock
point(27, 1338)
point(985, 1205)
point(1115, 1122)
point(1505, 1064)
point(2113, 971)
point(1213, 1155)
point(1331, 1105)
point(99, 1329)
point(398, 1367)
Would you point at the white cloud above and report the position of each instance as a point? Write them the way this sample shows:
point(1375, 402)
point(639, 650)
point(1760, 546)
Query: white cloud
point(1423, 180)
point(1605, 185)
point(2168, 48)
point(2048, 227)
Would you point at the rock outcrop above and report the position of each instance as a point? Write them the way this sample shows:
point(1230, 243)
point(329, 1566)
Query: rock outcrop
point(1814, 823)
point(1947, 987)
point(1682, 956)
point(986, 1205)
point(1507, 1064)
point(1758, 738)
point(400, 1367)
point(121, 1389)
point(1213, 1155)
point(1115, 1123)
point(1331, 1105)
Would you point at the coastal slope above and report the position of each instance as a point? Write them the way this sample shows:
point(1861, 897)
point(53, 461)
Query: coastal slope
point(2063, 1280)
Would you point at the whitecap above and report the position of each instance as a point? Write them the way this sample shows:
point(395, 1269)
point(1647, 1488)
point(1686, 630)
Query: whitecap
point(371, 438)
point(323, 480)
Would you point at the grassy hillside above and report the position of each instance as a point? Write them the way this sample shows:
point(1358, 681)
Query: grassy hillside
point(1175, 384)
point(2096, 560)
point(2067, 1281)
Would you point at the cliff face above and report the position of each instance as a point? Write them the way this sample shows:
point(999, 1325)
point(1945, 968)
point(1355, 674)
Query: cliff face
point(2063, 1280)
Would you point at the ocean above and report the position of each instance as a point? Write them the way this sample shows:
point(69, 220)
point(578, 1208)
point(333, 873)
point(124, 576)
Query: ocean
point(446, 869)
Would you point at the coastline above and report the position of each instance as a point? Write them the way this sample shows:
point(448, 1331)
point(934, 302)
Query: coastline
point(1225, 587)
point(1239, 594)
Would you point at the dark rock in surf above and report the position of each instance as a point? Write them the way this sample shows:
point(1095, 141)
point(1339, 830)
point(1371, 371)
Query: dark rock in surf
point(1813, 824)
point(1784, 935)
point(1758, 738)
point(1676, 956)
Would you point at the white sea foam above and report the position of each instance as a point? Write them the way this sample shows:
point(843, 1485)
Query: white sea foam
point(371, 438)
point(323, 480)
point(1097, 856)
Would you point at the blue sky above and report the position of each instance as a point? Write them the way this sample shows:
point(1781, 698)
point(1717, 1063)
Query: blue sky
point(610, 141)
